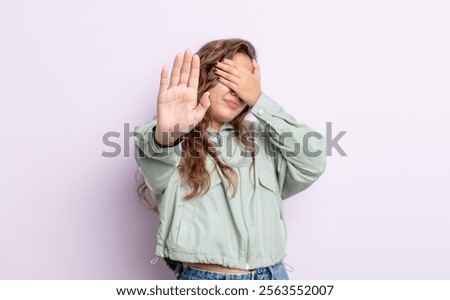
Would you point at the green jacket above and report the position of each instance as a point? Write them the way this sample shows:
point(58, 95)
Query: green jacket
point(248, 231)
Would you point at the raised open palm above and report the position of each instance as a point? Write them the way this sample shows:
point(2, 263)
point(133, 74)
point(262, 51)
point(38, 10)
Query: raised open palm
point(177, 111)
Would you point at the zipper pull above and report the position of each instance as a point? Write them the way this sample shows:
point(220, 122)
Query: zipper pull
point(291, 268)
point(154, 260)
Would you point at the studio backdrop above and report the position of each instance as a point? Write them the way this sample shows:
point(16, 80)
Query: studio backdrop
point(372, 76)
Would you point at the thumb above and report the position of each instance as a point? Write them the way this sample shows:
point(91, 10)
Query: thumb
point(203, 106)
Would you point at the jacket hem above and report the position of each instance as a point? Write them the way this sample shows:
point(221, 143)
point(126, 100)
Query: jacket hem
point(226, 261)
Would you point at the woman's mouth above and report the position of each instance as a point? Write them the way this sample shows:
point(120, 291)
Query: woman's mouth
point(232, 104)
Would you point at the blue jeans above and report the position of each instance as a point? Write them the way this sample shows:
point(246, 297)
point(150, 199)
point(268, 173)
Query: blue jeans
point(275, 272)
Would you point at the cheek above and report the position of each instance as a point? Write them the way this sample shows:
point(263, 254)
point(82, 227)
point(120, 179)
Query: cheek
point(215, 100)
point(213, 97)
point(217, 94)
point(219, 90)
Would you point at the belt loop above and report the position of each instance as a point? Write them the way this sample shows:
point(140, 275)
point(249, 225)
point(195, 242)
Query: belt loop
point(254, 275)
point(272, 272)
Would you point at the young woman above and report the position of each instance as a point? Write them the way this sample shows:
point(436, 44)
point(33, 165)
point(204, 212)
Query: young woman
point(218, 179)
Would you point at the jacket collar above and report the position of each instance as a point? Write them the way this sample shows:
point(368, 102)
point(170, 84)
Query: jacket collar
point(225, 127)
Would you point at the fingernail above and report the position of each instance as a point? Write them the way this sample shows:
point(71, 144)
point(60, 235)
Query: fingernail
point(216, 63)
point(221, 60)
point(215, 70)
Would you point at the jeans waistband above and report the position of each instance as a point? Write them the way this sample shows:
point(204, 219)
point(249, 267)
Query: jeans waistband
point(252, 274)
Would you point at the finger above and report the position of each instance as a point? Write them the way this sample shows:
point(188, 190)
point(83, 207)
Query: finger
point(256, 70)
point(228, 62)
point(186, 68)
point(228, 76)
point(163, 81)
point(175, 75)
point(203, 106)
point(195, 72)
point(228, 83)
point(230, 67)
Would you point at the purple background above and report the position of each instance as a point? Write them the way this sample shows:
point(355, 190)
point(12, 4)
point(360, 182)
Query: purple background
point(72, 71)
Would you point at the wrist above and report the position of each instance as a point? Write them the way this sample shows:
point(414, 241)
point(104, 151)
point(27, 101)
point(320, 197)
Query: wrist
point(163, 140)
point(253, 102)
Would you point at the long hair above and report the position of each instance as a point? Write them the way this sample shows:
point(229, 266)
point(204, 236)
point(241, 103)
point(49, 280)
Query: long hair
point(196, 146)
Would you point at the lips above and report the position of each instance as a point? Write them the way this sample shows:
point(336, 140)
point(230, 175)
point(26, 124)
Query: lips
point(233, 103)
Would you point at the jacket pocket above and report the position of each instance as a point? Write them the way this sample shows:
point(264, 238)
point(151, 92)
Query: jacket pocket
point(271, 196)
point(268, 182)
point(182, 232)
point(193, 226)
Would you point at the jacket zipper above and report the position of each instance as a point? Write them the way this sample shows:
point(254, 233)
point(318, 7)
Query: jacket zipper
point(248, 238)
point(246, 231)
